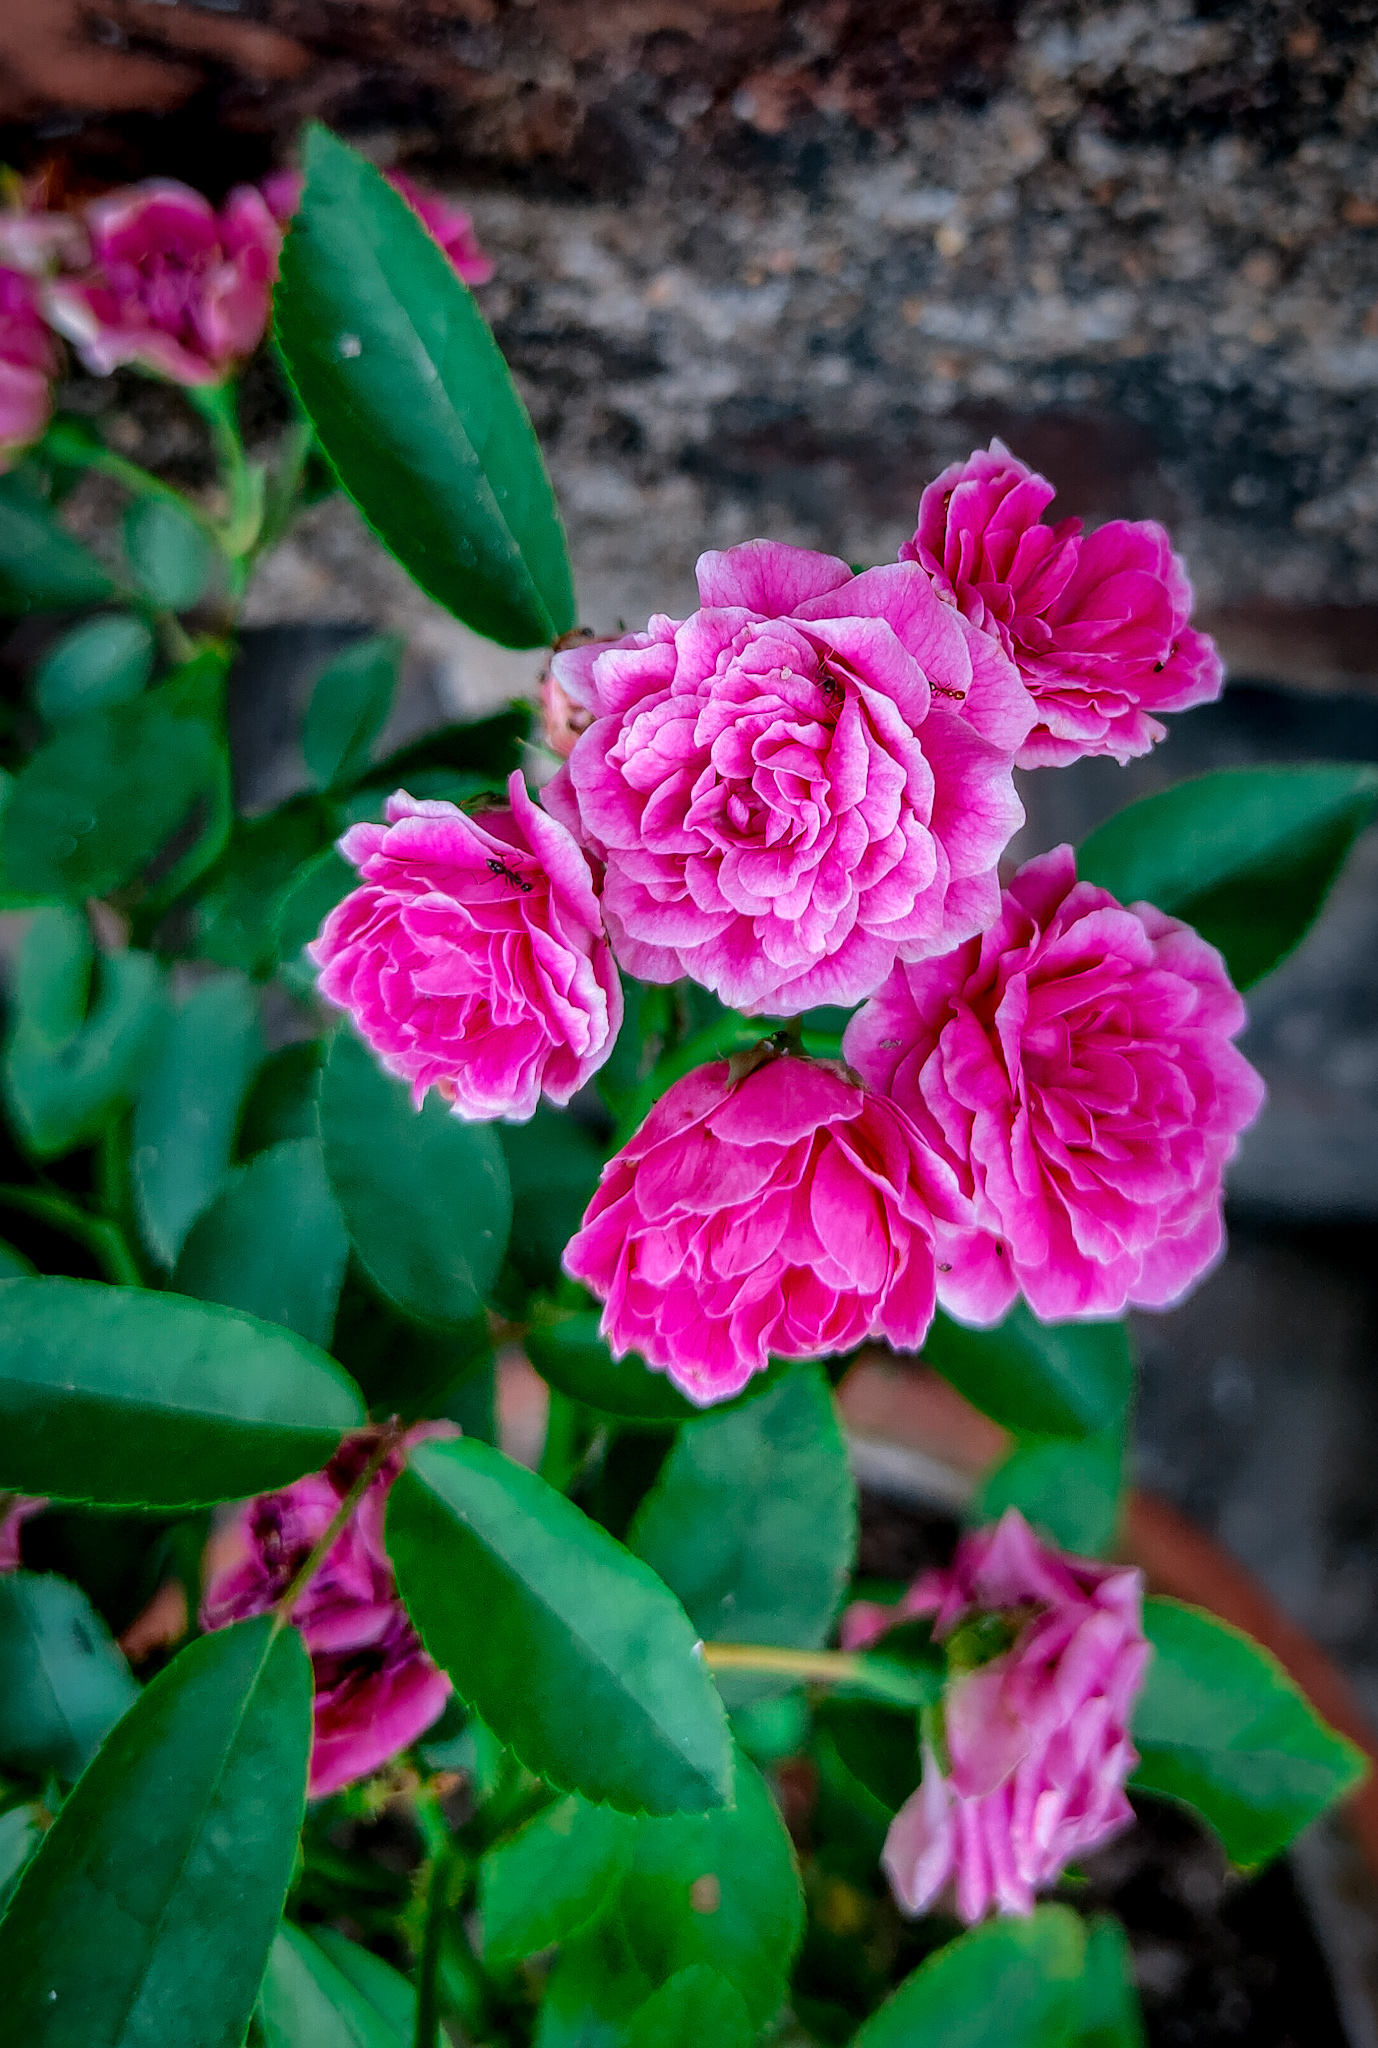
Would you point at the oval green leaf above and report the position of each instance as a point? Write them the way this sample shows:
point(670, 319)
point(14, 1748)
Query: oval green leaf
point(348, 708)
point(272, 1243)
point(170, 553)
point(414, 405)
point(691, 2009)
point(1246, 855)
point(1221, 1728)
point(104, 661)
point(63, 1683)
point(1037, 1379)
point(147, 1914)
point(753, 1523)
point(41, 567)
point(330, 1993)
point(1005, 1982)
point(1068, 1487)
point(572, 1356)
point(133, 1399)
point(550, 1879)
point(189, 1108)
point(571, 1649)
point(425, 1197)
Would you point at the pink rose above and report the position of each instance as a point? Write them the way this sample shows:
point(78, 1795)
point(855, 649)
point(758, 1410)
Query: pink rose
point(1097, 625)
point(174, 286)
point(805, 781)
point(1074, 1068)
point(473, 958)
point(28, 364)
point(449, 225)
point(1034, 1722)
point(15, 1510)
point(788, 1212)
point(376, 1689)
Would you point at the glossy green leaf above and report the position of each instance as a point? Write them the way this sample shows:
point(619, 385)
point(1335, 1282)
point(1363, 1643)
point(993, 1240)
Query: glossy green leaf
point(425, 1196)
point(348, 709)
point(13, 1264)
point(594, 1990)
point(1069, 1487)
point(1004, 1983)
point(721, 1889)
point(406, 1368)
point(67, 1071)
point(189, 1109)
point(1247, 855)
point(282, 1101)
point(147, 1914)
point(1037, 1379)
point(693, 2009)
point(126, 1397)
point(103, 661)
point(1221, 1728)
point(571, 1649)
point(553, 1163)
point(571, 1355)
point(414, 405)
point(753, 1523)
point(63, 1683)
point(309, 2000)
point(302, 908)
point(551, 1878)
point(272, 1243)
point(90, 809)
point(20, 1834)
point(237, 912)
point(1110, 2015)
point(41, 567)
point(487, 749)
point(170, 553)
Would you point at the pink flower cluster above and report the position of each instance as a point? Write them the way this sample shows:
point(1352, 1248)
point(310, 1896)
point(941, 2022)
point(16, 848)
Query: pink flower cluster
point(1027, 1770)
point(376, 1689)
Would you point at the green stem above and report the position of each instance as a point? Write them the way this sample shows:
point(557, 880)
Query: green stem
point(879, 1677)
point(76, 448)
point(243, 481)
point(427, 2030)
point(388, 1442)
point(102, 1237)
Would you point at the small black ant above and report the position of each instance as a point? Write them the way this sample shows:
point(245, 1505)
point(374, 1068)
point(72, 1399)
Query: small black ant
point(500, 867)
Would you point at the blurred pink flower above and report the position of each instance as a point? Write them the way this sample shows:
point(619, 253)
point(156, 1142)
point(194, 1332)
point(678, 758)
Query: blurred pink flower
point(28, 364)
point(449, 225)
point(36, 240)
point(473, 958)
point(376, 1689)
point(15, 1510)
point(1046, 1654)
point(1074, 1067)
point(173, 286)
point(1097, 624)
point(805, 781)
point(788, 1213)
point(562, 720)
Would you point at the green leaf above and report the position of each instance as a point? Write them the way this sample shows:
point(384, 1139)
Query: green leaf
point(348, 709)
point(753, 1523)
point(302, 908)
point(1247, 855)
point(425, 1196)
point(13, 1264)
point(63, 1683)
point(406, 1368)
point(486, 748)
point(692, 2009)
point(169, 551)
point(1221, 1728)
point(414, 405)
point(1006, 1984)
point(41, 567)
point(129, 1398)
point(571, 1649)
point(595, 1988)
point(272, 1243)
point(147, 1914)
point(553, 1163)
point(551, 1878)
point(1110, 2015)
point(309, 2001)
point(90, 809)
point(282, 1101)
point(68, 1073)
point(1069, 1487)
point(20, 1834)
point(238, 910)
point(721, 1889)
point(104, 661)
point(188, 1112)
point(1037, 1379)
point(571, 1355)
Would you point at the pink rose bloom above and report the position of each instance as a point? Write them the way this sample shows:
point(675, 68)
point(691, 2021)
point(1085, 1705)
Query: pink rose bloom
point(1036, 1736)
point(16, 1510)
point(788, 1212)
point(562, 720)
point(174, 286)
point(376, 1689)
point(1097, 624)
point(28, 364)
point(804, 782)
point(449, 225)
point(473, 958)
point(1074, 1068)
